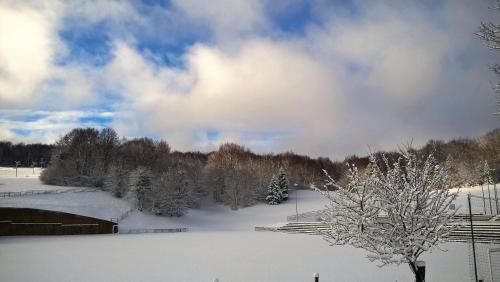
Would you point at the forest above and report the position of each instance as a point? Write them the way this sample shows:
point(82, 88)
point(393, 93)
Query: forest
point(167, 182)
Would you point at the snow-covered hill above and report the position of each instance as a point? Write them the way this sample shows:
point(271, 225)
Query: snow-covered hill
point(221, 243)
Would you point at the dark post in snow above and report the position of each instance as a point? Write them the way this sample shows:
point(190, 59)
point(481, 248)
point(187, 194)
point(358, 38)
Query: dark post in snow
point(484, 199)
point(316, 277)
point(17, 164)
point(496, 196)
point(421, 270)
point(472, 235)
point(296, 201)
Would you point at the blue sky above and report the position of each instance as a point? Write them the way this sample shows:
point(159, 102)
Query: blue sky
point(316, 77)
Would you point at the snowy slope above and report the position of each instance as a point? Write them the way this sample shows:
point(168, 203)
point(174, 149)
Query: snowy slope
point(221, 243)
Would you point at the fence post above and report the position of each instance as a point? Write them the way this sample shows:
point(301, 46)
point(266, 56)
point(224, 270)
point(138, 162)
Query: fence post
point(489, 198)
point(496, 196)
point(472, 235)
point(316, 277)
point(484, 199)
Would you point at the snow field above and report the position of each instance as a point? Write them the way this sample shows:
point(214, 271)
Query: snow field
point(221, 243)
point(204, 255)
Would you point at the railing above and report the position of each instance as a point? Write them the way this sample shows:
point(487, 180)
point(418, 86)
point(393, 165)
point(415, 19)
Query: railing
point(264, 228)
point(318, 213)
point(315, 278)
point(122, 216)
point(43, 192)
point(150, 230)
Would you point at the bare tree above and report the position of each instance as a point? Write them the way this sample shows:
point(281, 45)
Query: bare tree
point(489, 33)
point(394, 215)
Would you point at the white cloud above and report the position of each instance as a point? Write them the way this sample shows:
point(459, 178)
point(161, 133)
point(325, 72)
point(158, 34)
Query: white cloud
point(348, 84)
point(29, 48)
point(390, 73)
point(27, 44)
point(44, 126)
point(266, 87)
point(228, 19)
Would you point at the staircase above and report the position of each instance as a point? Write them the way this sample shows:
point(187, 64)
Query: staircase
point(484, 231)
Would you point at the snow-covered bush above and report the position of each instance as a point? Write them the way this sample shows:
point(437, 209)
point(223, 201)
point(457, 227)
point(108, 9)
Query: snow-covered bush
point(394, 215)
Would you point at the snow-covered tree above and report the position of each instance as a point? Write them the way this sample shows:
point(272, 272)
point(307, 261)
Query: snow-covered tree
point(140, 183)
point(489, 33)
point(169, 195)
point(115, 181)
point(274, 196)
point(283, 183)
point(486, 174)
point(395, 211)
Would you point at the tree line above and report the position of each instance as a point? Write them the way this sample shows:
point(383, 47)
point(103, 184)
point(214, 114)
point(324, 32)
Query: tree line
point(470, 158)
point(167, 182)
point(25, 154)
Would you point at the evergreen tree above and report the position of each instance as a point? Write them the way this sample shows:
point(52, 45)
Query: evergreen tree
point(274, 196)
point(283, 183)
point(115, 181)
point(140, 183)
point(170, 194)
point(486, 174)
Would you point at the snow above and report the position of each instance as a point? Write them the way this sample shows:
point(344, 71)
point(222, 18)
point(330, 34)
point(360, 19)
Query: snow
point(22, 172)
point(221, 243)
point(203, 256)
point(25, 181)
point(95, 204)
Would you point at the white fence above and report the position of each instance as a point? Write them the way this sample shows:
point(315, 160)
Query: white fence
point(317, 215)
point(150, 230)
point(42, 192)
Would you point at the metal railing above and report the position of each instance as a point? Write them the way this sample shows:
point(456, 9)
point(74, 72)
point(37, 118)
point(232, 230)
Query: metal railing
point(150, 230)
point(318, 213)
point(44, 192)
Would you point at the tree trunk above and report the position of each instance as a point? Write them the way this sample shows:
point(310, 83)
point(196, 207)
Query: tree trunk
point(414, 269)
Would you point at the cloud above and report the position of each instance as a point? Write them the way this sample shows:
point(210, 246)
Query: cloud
point(27, 43)
point(46, 126)
point(266, 87)
point(30, 75)
point(228, 19)
point(197, 75)
point(378, 80)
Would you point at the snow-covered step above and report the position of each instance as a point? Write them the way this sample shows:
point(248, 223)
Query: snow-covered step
point(484, 231)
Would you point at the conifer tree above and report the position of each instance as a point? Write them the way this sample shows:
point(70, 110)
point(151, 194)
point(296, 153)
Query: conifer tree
point(115, 181)
point(274, 196)
point(283, 183)
point(140, 183)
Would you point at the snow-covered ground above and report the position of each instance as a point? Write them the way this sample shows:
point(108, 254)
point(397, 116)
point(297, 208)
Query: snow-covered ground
point(221, 243)
point(26, 179)
point(22, 172)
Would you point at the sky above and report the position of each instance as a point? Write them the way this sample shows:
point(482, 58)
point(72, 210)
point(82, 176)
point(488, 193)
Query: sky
point(323, 78)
